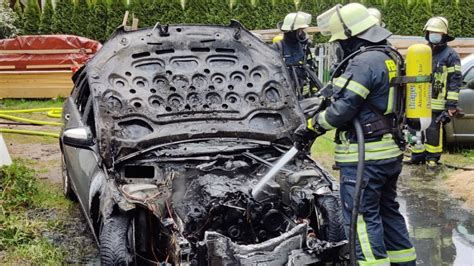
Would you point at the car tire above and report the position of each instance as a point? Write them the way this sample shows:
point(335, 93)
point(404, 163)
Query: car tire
point(332, 228)
point(114, 244)
point(67, 186)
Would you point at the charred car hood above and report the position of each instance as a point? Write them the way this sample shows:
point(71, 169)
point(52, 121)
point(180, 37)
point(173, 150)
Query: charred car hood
point(163, 84)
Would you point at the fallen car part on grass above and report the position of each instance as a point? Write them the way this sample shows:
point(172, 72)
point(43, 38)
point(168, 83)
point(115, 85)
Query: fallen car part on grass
point(5, 158)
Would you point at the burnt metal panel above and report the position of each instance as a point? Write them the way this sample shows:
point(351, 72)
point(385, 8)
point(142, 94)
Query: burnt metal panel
point(191, 81)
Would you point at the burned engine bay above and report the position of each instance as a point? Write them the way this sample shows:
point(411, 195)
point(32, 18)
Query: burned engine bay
point(203, 196)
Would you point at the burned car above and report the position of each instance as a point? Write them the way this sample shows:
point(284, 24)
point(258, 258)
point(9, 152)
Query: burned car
point(167, 131)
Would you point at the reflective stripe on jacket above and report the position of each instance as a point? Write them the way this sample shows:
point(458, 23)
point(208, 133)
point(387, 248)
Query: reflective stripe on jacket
point(363, 87)
point(447, 77)
point(385, 148)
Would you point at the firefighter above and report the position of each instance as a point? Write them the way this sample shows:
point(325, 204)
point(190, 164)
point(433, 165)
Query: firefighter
point(295, 50)
point(445, 90)
point(362, 90)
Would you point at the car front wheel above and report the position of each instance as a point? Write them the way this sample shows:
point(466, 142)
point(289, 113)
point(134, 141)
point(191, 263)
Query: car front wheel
point(332, 228)
point(114, 241)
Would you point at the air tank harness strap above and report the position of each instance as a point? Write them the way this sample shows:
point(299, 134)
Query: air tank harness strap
point(405, 79)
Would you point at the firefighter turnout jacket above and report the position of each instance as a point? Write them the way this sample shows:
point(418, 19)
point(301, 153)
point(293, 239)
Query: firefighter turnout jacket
point(362, 90)
point(446, 77)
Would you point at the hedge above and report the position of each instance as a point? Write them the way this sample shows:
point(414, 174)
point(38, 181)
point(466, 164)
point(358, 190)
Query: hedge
point(32, 17)
point(97, 19)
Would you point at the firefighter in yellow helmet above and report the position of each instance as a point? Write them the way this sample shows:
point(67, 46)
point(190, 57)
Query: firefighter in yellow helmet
point(295, 50)
point(445, 90)
point(362, 90)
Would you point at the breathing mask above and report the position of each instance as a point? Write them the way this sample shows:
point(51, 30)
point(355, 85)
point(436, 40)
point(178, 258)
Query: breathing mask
point(435, 37)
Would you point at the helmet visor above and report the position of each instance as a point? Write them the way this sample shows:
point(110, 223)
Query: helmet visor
point(323, 20)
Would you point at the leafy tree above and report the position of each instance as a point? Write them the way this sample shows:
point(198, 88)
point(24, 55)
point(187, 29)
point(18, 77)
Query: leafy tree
point(7, 22)
point(98, 21)
point(62, 16)
point(32, 17)
point(80, 18)
point(115, 15)
point(46, 24)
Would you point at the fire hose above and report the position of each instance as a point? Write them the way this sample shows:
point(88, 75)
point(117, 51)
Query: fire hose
point(358, 189)
point(54, 112)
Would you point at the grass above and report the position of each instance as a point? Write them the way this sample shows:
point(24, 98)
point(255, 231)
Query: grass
point(323, 151)
point(463, 157)
point(30, 211)
point(13, 104)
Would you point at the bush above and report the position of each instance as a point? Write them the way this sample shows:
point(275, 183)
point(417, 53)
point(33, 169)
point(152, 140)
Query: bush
point(46, 25)
point(32, 17)
point(81, 14)
point(115, 15)
point(17, 186)
point(62, 17)
point(98, 21)
point(402, 17)
point(8, 18)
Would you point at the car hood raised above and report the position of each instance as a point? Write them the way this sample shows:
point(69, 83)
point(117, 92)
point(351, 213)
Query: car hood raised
point(163, 84)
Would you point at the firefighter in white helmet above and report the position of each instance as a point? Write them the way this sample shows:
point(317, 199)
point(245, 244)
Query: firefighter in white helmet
point(295, 50)
point(445, 90)
point(361, 87)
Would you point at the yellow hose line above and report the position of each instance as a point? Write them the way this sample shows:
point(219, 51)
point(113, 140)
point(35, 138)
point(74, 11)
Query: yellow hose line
point(26, 120)
point(54, 112)
point(29, 132)
point(35, 110)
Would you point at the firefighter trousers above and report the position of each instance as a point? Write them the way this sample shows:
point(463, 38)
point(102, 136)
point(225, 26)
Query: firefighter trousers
point(433, 143)
point(382, 235)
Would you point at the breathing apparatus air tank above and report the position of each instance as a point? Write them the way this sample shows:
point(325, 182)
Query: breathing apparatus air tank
point(418, 94)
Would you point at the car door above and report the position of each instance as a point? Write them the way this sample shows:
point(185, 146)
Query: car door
point(464, 126)
point(82, 164)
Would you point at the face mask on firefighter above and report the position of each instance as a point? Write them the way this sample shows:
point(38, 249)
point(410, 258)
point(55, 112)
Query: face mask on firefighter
point(301, 35)
point(435, 37)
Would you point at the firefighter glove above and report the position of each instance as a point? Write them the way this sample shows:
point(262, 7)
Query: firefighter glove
point(304, 136)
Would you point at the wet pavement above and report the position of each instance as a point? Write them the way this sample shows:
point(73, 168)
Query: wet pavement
point(442, 231)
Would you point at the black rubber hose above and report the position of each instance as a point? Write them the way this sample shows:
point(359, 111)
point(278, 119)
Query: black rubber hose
point(358, 190)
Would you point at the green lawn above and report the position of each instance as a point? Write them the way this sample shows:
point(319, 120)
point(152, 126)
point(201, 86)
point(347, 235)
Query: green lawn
point(31, 211)
point(13, 104)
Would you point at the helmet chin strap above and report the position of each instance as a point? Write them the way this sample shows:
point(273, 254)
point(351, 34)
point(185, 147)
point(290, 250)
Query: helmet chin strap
point(347, 31)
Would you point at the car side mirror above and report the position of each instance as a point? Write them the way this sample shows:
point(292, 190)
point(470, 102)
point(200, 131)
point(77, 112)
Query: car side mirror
point(79, 137)
point(470, 84)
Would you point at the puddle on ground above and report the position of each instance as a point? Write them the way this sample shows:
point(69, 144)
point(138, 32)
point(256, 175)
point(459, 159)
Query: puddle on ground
point(442, 231)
